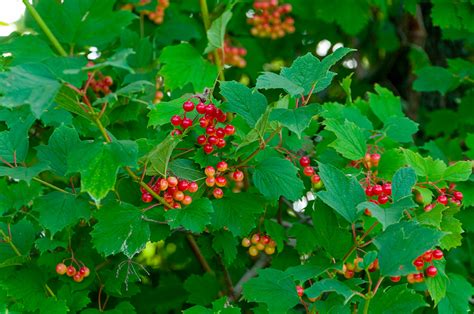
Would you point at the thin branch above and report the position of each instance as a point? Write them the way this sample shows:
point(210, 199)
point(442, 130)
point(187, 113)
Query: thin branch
point(252, 272)
point(197, 251)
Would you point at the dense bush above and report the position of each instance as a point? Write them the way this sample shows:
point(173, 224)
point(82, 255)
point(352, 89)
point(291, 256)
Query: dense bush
point(238, 157)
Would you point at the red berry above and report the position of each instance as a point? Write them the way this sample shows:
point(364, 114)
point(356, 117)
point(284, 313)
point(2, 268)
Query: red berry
point(186, 123)
point(212, 140)
point(387, 188)
point(265, 239)
point(193, 187)
point(61, 269)
point(455, 201)
point(176, 205)
point(218, 193)
point(172, 189)
point(222, 166)
point(187, 200)
point(443, 199)
point(210, 130)
point(221, 116)
point(431, 271)
point(419, 263)
point(208, 148)
point(308, 171)
point(221, 181)
point(238, 175)
point(201, 140)
point(176, 120)
point(300, 291)
point(229, 129)
point(176, 132)
point(220, 133)
point(395, 278)
point(375, 158)
point(77, 277)
point(147, 197)
point(428, 256)
point(203, 122)
point(201, 108)
point(84, 271)
point(172, 181)
point(221, 143)
point(369, 191)
point(210, 171)
point(418, 277)
point(183, 185)
point(383, 199)
point(210, 181)
point(178, 196)
point(70, 271)
point(315, 179)
point(108, 81)
point(377, 189)
point(188, 106)
point(437, 254)
point(428, 207)
point(211, 110)
point(458, 195)
point(305, 161)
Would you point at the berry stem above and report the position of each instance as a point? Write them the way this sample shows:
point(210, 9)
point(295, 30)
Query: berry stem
point(197, 251)
point(356, 245)
point(8, 240)
point(39, 20)
point(51, 186)
point(260, 148)
point(49, 290)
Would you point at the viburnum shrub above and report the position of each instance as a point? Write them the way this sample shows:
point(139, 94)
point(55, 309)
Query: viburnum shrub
point(152, 169)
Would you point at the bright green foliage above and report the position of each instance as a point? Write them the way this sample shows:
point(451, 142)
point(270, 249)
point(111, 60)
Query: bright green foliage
point(194, 217)
point(398, 299)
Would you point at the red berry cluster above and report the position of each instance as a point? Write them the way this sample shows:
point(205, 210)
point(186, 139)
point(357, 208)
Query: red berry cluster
point(217, 178)
point(300, 291)
point(211, 117)
point(71, 271)
point(232, 55)
point(420, 263)
point(349, 269)
point(371, 160)
point(156, 16)
point(379, 193)
point(308, 171)
point(271, 20)
point(100, 85)
point(259, 243)
point(173, 191)
point(451, 194)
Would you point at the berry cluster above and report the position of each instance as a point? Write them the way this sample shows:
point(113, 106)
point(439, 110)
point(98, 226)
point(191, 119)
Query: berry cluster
point(371, 160)
point(271, 20)
point(451, 194)
point(349, 269)
point(211, 117)
point(158, 15)
point(232, 55)
point(308, 171)
point(101, 84)
point(71, 271)
point(173, 191)
point(259, 243)
point(420, 263)
point(217, 178)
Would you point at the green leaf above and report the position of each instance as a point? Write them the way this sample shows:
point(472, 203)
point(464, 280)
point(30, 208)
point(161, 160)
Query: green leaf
point(400, 129)
point(202, 289)
point(23, 173)
point(436, 287)
point(59, 210)
point(186, 169)
point(120, 229)
point(306, 240)
point(458, 293)
point(61, 144)
point(14, 144)
point(351, 140)
point(460, 171)
point(194, 217)
point(20, 46)
point(277, 232)
point(453, 227)
point(225, 245)
point(157, 160)
point(329, 285)
point(384, 104)
point(345, 112)
point(396, 299)
point(216, 33)
point(342, 194)
point(433, 217)
point(98, 164)
point(237, 212)
point(270, 80)
point(425, 166)
point(274, 288)
point(163, 111)
point(397, 250)
point(117, 60)
point(275, 177)
point(23, 236)
point(183, 64)
point(351, 16)
point(250, 105)
point(296, 120)
point(434, 79)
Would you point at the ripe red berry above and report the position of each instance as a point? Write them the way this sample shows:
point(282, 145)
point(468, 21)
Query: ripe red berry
point(176, 120)
point(210, 110)
point(221, 181)
point(220, 133)
point(395, 278)
point(300, 291)
point(172, 181)
point(437, 254)
point(238, 175)
point(203, 122)
point(201, 108)
point(176, 205)
point(443, 199)
point(458, 195)
point(210, 171)
point(428, 207)
point(208, 148)
point(218, 193)
point(201, 140)
point(212, 140)
point(188, 106)
point(210, 181)
point(428, 256)
point(222, 166)
point(108, 81)
point(77, 277)
point(387, 188)
point(70, 271)
point(183, 185)
point(419, 263)
point(61, 269)
point(210, 130)
point(418, 277)
point(84, 271)
point(369, 191)
point(193, 187)
point(265, 239)
point(147, 197)
point(375, 158)
point(178, 196)
point(308, 171)
point(383, 199)
point(305, 161)
point(187, 200)
point(315, 179)
point(431, 271)
point(455, 201)
point(186, 123)
point(176, 132)
point(348, 274)
point(221, 143)
point(377, 189)
point(229, 129)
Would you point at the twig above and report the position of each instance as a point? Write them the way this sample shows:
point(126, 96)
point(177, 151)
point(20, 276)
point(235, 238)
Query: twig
point(227, 279)
point(252, 272)
point(197, 251)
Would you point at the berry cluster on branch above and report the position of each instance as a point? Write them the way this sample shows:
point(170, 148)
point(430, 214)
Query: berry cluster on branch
point(271, 20)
